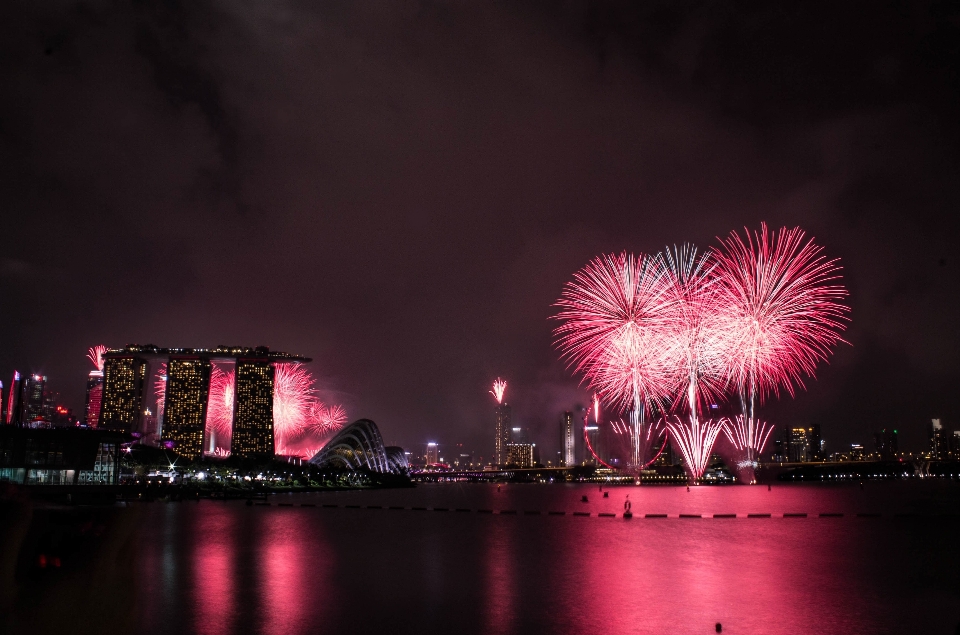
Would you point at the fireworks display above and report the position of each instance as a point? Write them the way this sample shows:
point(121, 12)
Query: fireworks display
point(675, 332)
point(780, 302)
point(95, 355)
point(499, 387)
point(219, 425)
point(300, 419)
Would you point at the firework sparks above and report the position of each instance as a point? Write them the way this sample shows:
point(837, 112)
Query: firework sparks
point(780, 301)
point(293, 400)
point(614, 315)
point(219, 425)
point(95, 355)
point(677, 331)
point(499, 388)
point(694, 438)
point(160, 389)
point(748, 436)
point(300, 419)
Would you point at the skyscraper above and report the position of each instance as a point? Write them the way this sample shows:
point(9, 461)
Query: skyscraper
point(253, 408)
point(12, 414)
point(796, 444)
point(185, 405)
point(94, 398)
point(123, 380)
point(887, 446)
point(502, 432)
point(568, 440)
point(432, 455)
point(814, 443)
point(939, 450)
point(33, 410)
point(520, 454)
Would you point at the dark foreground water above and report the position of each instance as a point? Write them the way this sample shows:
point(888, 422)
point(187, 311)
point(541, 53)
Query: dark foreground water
point(215, 567)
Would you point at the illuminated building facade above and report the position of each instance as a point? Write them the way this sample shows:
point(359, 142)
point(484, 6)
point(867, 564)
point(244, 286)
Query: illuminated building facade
point(253, 408)
point(432, 455)
point(568, 440)
point(123, 383)
point(887, 446)
point(939, 443)
point(12, 413)
point(91, 415)
point(521, 454)
point(179, 388)
point(502, 433)
point(185, 405)
point(33, 404)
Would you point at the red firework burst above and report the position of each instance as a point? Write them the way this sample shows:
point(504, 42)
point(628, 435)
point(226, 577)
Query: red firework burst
point(499, 387)
point(614, 316)
point(220, 406)
point(95, 355)
point(780, 301)
point(293, 401)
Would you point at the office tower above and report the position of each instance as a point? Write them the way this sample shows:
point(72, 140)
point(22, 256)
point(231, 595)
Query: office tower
point(520, 454)
point(123, 383)
point(502, 432)
point(814, 443)
point(432, 455)
point(33, 405)
point(887, 446)
point(568, 440)
point(91, 414)
point(856, 452)
point(796, 444)
point(253, 408)
point(955, 445)
point(185, 405)
point(780, 453)
point(938, 441)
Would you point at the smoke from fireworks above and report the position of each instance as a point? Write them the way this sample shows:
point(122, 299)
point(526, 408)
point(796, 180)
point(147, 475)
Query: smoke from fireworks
point(499, 387)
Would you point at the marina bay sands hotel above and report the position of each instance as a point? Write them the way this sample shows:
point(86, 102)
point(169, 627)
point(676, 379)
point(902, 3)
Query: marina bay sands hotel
point(161, 395)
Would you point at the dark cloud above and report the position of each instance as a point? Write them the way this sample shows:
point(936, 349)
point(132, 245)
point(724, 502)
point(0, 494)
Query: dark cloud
point(401, 190)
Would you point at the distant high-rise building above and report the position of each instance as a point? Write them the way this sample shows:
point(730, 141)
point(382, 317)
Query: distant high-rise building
point(253, 408)
point(14, 401)
point(123, 382)
point(939, 444)
point(502, 432)
point(796, 444)
point(568, 440)
point(856, 452)
point(887, 446)
point(432, 455)
point(185, 405)
point(33, 404)
point(94, 398)
point(814, 443)
point(955, 445)
point(520, 454)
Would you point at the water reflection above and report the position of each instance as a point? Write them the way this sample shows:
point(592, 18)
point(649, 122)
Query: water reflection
point(500, 592)
point(214, 554)
point(219, 568)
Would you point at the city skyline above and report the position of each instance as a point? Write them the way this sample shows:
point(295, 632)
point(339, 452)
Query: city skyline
point(415, 276)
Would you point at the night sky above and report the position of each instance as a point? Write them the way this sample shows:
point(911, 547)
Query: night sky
point(400, 190)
